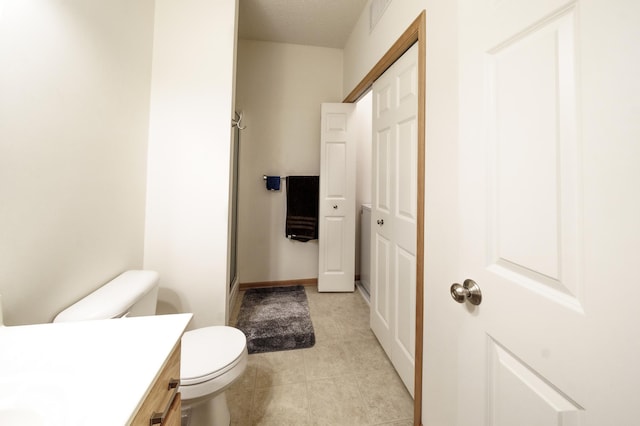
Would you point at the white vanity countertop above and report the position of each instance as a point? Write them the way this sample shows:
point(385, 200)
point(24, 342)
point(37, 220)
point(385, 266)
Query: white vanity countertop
point(81, 373)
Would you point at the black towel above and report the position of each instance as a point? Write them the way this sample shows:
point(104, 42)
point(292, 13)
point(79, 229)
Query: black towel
point(302, 207)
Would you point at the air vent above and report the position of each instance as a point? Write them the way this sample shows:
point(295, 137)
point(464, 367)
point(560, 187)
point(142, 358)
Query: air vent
point(376, 10)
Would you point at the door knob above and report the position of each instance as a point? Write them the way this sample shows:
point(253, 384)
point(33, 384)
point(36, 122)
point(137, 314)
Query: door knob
point(469, 290)
point(380, 222)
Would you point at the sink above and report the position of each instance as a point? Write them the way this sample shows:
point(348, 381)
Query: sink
point(22, 417)
point(33, 400)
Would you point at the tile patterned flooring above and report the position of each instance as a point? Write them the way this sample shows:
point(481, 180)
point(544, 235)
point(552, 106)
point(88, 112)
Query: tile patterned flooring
point(345, 379)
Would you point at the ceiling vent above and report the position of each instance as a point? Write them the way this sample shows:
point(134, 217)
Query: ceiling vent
point(376, 10)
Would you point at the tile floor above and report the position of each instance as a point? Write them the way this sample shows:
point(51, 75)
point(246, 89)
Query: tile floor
point(345, 379)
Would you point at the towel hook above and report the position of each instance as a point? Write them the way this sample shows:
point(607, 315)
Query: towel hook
point(237, 122)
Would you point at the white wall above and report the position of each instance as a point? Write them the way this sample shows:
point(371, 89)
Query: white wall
point(279, 88)
point(439, 402)
point(364, 48)
point(74, 93)
point(189, 156)
point(362, 51)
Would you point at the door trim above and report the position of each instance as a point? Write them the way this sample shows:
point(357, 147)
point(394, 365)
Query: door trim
point(415, 33)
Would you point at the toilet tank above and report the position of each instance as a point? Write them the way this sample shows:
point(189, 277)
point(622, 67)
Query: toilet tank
point(132, 293)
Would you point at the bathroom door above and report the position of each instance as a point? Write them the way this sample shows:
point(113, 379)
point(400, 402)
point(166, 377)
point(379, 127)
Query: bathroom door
point(337, 215)
point(394, 213)
point(549, 217)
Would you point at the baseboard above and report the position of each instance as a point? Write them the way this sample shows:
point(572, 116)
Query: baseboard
point(284, 283)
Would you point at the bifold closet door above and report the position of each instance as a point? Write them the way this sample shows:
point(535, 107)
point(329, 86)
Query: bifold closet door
point(394, 213)
point(337, 215)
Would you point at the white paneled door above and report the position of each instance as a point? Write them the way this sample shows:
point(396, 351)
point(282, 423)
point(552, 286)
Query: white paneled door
point(394, 213)
point(549, 213)
point(337, 207)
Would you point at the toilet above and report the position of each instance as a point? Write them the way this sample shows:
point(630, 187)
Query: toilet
point(212, 358)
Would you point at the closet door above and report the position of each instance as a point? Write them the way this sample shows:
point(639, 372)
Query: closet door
point(394, 213)
point(337, 215)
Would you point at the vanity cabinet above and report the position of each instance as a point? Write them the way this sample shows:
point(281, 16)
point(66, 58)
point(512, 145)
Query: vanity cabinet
point(99, 373)
point(162, 403)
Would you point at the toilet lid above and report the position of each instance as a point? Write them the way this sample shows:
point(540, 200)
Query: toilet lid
point(209, 351)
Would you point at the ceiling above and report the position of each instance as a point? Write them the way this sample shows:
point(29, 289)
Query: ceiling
point(325, 23)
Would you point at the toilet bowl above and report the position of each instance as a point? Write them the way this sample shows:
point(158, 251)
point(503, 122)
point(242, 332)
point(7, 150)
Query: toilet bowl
point(212, 358)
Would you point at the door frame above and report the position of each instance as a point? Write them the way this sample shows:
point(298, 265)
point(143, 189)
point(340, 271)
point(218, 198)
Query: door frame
point(415, 33)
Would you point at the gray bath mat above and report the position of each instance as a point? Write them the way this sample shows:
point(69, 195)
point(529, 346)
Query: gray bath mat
point(276, 319)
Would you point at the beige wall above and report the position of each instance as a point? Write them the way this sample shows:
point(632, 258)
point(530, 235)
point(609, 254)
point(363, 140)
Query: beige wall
point(189, 154)
point(362, 51)
point(279, 88)
point(74, 96)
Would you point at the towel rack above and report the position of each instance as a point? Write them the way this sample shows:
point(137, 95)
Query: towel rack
point(264, 177)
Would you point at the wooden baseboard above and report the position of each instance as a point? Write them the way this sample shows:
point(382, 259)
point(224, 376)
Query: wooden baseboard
point(285, 283)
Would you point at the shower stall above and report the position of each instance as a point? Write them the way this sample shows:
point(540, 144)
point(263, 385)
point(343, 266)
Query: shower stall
point(233, 228)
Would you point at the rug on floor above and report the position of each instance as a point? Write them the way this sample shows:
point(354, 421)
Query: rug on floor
point(276, 319)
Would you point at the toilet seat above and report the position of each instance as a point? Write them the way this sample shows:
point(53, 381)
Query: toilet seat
point(210, 352)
